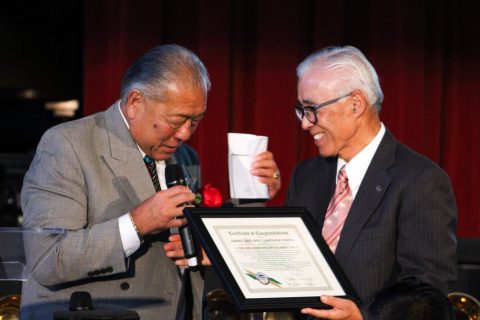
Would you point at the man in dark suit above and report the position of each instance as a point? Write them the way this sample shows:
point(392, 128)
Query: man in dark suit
point(397, 217)
point(90, 177)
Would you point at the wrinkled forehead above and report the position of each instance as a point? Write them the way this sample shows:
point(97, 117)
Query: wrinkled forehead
point(316, 84)
point(184, 100)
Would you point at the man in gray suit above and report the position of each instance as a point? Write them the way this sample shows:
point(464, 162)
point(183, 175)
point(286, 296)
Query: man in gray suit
point(89, 177)
point(402, 217)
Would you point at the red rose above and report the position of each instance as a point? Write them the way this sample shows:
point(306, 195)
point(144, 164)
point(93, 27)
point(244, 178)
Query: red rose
point(209, 197)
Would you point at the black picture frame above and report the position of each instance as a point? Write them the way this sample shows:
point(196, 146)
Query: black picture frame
point(197, 219)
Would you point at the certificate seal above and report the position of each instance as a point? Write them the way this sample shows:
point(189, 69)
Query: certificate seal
point(262, 278)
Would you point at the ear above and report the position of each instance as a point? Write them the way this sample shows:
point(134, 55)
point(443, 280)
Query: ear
point(133, 104)
point(359, 103)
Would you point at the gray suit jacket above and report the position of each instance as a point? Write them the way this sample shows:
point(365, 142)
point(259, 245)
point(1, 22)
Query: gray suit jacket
point(402, 221)
point(86, 174)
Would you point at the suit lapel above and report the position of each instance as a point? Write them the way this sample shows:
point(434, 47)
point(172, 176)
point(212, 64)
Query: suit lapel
point(371, 191)
point(125, 159)
point(325, 185)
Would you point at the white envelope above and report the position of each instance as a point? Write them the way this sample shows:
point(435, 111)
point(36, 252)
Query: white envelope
point(241, 150)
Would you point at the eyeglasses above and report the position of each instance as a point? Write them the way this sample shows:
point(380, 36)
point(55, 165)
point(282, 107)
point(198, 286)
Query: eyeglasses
point(310, 112)
point(179, 121)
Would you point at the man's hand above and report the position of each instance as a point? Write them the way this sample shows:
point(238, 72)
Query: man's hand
point(265, 168)
point(174, 250)
point(342, 309)
point(162, 211)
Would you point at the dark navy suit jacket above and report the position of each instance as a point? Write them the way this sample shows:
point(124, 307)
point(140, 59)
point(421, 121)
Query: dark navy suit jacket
point(401, 224)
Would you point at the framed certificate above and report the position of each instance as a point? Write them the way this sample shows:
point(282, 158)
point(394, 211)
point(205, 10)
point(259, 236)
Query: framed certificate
point(269, 259)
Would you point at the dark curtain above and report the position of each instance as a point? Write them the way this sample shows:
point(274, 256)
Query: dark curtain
point(426, 54)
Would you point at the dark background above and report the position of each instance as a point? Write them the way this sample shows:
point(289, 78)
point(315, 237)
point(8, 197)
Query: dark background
point(41, 60)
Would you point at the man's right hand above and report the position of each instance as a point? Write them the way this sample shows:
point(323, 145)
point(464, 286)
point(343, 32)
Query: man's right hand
point(342, 309)
point(162, 211)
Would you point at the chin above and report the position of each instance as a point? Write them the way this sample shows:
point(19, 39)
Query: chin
point(326, 154)
point(162, 155)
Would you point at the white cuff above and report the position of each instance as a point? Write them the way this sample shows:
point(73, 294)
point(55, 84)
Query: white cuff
point(128, 234)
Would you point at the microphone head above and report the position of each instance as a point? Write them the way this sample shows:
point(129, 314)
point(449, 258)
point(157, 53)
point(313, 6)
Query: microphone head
point(80, 300)
point(174, 175)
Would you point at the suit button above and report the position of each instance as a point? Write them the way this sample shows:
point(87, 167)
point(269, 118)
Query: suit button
point(124, 286)
point(109, 269)
point(90, 274)
point(96, 272)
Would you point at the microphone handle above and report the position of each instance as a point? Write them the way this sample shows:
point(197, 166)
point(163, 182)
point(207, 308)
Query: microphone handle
point(189, 247)
point(174, 175)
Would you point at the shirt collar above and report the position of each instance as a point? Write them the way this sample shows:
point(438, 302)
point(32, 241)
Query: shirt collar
point(128, 126)
point(357, 167)
point(120, 110)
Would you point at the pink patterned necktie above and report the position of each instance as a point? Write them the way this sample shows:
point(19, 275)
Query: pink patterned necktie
point(337, 211)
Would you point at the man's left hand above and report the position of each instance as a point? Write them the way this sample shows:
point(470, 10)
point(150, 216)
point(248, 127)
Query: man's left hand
point(265, 168)
point(341, 309)
point(174, 250)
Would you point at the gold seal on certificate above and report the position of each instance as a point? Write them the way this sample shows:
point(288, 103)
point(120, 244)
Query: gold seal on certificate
point(269, 259)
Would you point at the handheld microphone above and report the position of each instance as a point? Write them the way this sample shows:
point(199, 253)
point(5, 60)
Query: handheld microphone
point(175, 176)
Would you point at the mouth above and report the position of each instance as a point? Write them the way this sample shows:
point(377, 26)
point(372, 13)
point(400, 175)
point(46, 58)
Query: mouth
point(169, 149)
point(318, 136)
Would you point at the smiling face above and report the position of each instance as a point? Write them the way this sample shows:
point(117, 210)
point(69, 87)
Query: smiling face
point(160, 126)
point(335, 132)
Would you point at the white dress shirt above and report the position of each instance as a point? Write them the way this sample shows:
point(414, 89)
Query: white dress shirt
point(357, 167)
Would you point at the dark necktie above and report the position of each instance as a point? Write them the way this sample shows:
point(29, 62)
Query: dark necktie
point(152, 170)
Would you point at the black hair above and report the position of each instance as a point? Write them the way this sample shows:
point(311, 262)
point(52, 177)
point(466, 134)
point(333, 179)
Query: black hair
point(410, 299)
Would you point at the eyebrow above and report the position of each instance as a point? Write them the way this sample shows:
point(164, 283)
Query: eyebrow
point(186, 116)
point(306, 102)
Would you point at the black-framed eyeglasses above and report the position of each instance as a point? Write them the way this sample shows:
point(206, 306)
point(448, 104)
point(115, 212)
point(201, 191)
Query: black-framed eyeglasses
point(310, 112)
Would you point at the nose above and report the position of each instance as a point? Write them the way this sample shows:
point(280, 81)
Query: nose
point(184, 132)
point(306, 125)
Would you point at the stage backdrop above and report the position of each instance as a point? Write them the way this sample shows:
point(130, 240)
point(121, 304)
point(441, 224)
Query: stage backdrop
point(425, 52)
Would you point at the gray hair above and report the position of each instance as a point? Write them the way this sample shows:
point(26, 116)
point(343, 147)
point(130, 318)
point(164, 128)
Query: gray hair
point(156, 69)
point(349, 66)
